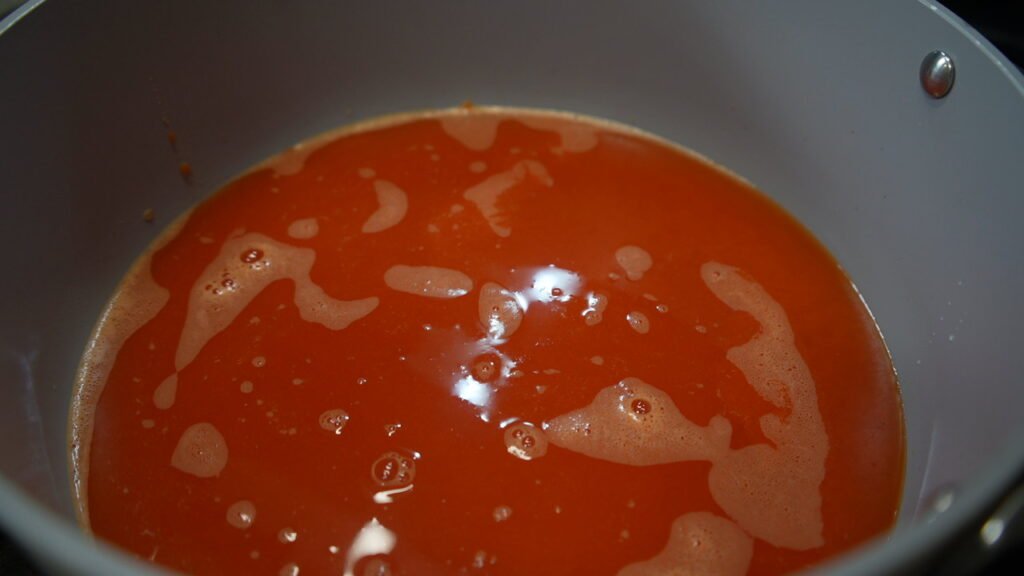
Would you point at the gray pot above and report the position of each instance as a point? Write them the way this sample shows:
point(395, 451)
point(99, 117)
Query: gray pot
point(819, 104)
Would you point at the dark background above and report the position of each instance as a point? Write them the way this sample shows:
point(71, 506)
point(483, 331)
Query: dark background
point(996, 20)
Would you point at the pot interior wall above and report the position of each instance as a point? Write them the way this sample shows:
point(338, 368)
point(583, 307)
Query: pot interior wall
point(816, 103)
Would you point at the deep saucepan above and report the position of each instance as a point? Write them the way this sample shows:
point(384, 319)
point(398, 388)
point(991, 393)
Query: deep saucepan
point(819, 104)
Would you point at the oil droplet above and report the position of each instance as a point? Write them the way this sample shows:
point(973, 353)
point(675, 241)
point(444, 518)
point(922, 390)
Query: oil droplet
point(241, 514)
point(246, 387)
point(147, 423)
point(334, 420)
point(597, 360)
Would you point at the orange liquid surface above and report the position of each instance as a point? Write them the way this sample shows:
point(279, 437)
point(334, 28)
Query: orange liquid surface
point(421, 468)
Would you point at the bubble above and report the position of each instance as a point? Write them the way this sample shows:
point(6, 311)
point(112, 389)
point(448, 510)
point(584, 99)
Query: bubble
point(251, 255)
point(287, 536)
point(393, 469)
point(502, 513)
point(661, 308)
point(241, 514)
point(334, 420)
point(500, 311)
point(259, 362)
point(487, 368)
point(289, 569)
point(639, 406)
point(479, 559)
point(392, 429)
point(525, 441)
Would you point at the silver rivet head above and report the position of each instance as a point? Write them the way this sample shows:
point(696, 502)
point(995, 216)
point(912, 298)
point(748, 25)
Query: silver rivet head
point(937, 74)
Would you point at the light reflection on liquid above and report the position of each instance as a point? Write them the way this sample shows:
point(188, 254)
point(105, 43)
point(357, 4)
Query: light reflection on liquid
point(476, 393)
point(373, 538)
point(552, 284)
point(387, 496)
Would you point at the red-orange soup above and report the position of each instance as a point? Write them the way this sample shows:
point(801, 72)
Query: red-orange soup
point(487, 341)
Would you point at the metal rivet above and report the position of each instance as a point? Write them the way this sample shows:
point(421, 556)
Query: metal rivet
point(937, 74)
point(940, 500)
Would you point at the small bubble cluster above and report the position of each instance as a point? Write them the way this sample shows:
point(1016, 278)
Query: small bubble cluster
point(334, 420)
point(393, 469)
point(251, 256)
point(525, 441)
